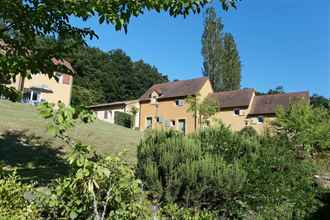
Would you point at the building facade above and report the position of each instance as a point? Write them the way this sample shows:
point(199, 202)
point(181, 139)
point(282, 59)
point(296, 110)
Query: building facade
point(164, 106)
point(42, 89)
point(106, 112)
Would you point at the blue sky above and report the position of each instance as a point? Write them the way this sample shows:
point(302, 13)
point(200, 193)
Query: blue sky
point(282, 42)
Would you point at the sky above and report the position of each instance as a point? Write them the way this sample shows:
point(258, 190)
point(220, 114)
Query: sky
point(280, 42)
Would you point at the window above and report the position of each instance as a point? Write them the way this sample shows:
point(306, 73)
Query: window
point(182, 126)
point(34, 96)
point(237, 112)
point(105, 114)
point(179, 102)
point(173, 123)
point(261, 119)
point(149, 122)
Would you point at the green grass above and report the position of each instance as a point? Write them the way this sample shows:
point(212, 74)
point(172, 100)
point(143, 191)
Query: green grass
point(26, 145)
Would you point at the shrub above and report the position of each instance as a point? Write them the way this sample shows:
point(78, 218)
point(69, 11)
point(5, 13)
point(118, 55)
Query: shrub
point(98, 187)
point(172, 211)
point(13, 204)
point(249, 131)
point(227, 173)
point(123, 119)
point(304, 127)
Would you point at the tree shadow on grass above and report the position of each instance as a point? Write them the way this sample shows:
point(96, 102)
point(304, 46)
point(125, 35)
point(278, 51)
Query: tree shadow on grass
point(33, 158)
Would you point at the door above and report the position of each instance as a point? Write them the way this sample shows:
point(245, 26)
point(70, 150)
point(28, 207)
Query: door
point(182, 126)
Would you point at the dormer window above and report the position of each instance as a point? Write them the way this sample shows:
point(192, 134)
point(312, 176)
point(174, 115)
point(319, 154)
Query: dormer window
point(153, 97)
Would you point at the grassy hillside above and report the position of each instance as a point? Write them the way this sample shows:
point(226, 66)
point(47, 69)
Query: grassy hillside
point(26, 144)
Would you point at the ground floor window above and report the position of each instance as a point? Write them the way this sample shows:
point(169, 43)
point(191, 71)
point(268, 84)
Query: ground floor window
point(149, 122)
point(182, 126)
point(31, 96)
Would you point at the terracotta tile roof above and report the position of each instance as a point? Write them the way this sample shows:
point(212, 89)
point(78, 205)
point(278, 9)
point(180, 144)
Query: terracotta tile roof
point(235, 98)
point(112, 104)
point(267, 104)
point(173, 89)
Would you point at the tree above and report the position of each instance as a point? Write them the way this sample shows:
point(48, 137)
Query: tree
point(212, 49)
point(231, 64)
point(320, 101)
point(202, 110)
point(221, 58)
point(110, 76)
point(134, 112)
point(277, 90)
point(23, 21)
point(304, 126)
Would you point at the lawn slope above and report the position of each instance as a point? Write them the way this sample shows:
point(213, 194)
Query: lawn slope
point(26, 144)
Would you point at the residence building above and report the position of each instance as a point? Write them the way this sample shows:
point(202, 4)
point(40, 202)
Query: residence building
point(106, 112)
point(164, 106)
point(40, 88)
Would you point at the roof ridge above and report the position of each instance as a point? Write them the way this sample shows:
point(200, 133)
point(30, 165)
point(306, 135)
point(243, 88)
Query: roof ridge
point(236, 90)
point(283, 94)
point(182, 80)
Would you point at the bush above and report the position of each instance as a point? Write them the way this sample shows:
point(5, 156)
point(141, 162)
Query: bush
point(106, 187)
point(233, 175)
point(172, 211)
point(249, 131)
point(13, 204)
point(123, 119)
point(304, 127)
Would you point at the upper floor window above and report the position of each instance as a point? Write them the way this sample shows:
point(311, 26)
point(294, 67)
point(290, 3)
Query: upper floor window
point(179, 102)
point(63, 78)
point(261, 119)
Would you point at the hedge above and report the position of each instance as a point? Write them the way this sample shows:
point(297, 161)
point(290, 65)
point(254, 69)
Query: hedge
point(123, 119)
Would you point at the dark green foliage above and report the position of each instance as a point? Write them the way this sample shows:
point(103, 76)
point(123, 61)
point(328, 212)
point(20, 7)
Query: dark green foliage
point(212, 48)
point(277, 90)
point(22, 22)
point(320, 101)
point(108, 77)
point(10, 93)
point(123, 119)
point(249, 131)
point(231, 174)
point(221, 58)
point(231, 64)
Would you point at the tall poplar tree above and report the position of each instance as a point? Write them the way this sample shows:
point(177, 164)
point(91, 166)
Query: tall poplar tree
point(231, 64)
point(221, 58)
point(212, 48)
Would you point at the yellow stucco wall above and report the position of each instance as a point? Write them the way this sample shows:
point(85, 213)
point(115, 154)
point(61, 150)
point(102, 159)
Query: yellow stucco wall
point(167, 110)
point(61, 92)
point(260, 128)
point(236, 122)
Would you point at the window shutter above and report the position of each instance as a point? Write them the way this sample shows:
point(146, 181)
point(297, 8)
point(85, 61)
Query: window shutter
point(66, 79)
